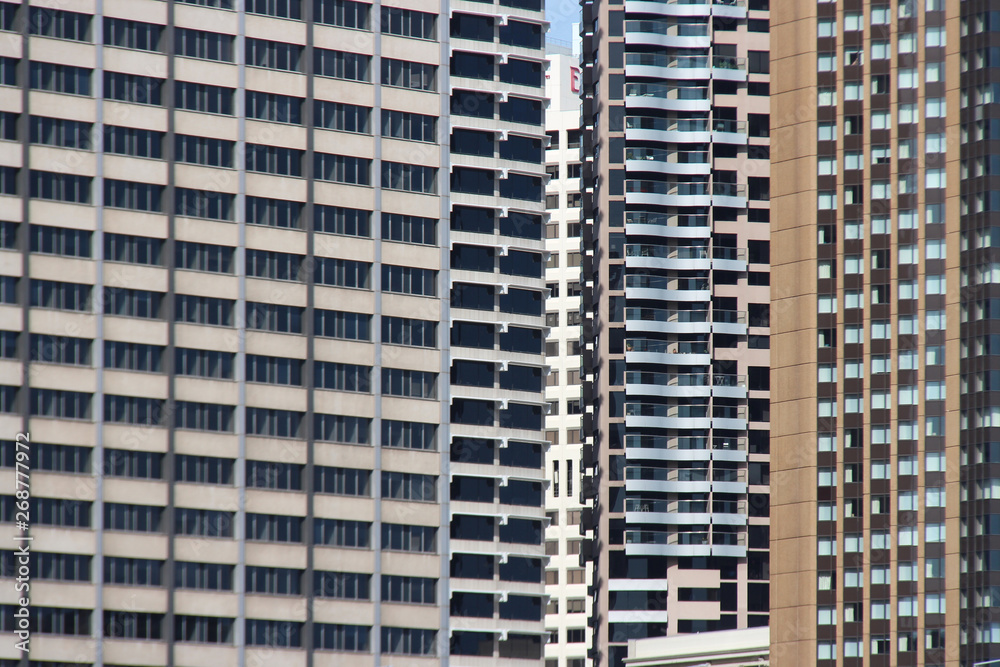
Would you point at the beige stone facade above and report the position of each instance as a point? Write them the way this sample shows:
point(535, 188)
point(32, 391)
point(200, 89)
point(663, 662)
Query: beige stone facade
point(241, 263)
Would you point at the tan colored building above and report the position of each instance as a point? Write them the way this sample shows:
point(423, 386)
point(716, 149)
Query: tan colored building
point(726, 648)
point(676, 301)
point(883, 421)
point(271, 287)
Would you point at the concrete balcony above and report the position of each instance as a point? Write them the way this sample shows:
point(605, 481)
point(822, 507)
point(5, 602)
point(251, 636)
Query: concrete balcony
point(664, 66)
point(667, 33)
point(728, 8)
point(667, 97)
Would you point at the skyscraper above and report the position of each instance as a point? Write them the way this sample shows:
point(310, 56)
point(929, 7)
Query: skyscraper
point(676, 303)
point(272, 286)
point(566, 578)
point(883, 440)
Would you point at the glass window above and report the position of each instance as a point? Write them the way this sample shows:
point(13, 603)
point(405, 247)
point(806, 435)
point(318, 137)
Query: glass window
point(826, 616)
point(907, 465)
point(907, 501)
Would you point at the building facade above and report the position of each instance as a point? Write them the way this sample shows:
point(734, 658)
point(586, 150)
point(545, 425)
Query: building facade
point(566, 579)
point(676, 301)
point(884, 417)
point(272, 287)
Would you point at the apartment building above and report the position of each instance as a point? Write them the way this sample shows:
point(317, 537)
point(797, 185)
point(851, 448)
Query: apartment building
point(565, 577)
point(676, 302)
point(884, 423)
point(271, 312)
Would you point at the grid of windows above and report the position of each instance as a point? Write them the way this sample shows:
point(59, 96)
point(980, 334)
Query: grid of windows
point(274, 107)
point(132, 34)
point(342, 533)
point(273, 55)
point(342, 65)
point(405, 331)
point(202, 44)
point(889, 411)
point(411, 126)
point(60, 241)
point(342, 481)
point(70, 80)
point(412, 384)
point(409, 280)
point(408, 23)
point(342, 116)
point(406, 74)
point(179, 281)
point(409, 435)
point(342, 377)
point(409, 177)
point(409, 228)
point(343, 585)
point(60, 132)
point(59, 24)
point(343, 13)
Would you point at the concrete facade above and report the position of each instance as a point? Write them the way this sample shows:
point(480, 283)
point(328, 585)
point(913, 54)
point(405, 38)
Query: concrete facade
point(272, 286)
point(567, 580)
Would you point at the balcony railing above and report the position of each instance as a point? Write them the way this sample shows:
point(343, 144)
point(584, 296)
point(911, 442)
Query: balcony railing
point(666, 91)
point(661, 155)
point(665, 347)
point(667, 474)
point(646, 473)
point(671, 28)
point(685, 506)
point(686, 62)
point(637, 314)
point(697, 538)
point(684, 251)
point(663, 282)
point(670, 411)
point(685, 379)
point(665, 315)
point(687, 189)
point(685, 442)
point(665, 219)
point(666, 252)
point(665, 442)
point(666, 124)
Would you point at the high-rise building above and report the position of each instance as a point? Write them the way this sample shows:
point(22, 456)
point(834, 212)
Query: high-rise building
point(272, 313)
point(884, 431)
point(497, 335)
point(565, 577)
point(676, 302)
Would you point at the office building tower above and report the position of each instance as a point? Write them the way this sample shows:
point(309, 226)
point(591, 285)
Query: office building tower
point(676, 301)
point(883, 346)
point(271, 312)
point(565, 577)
